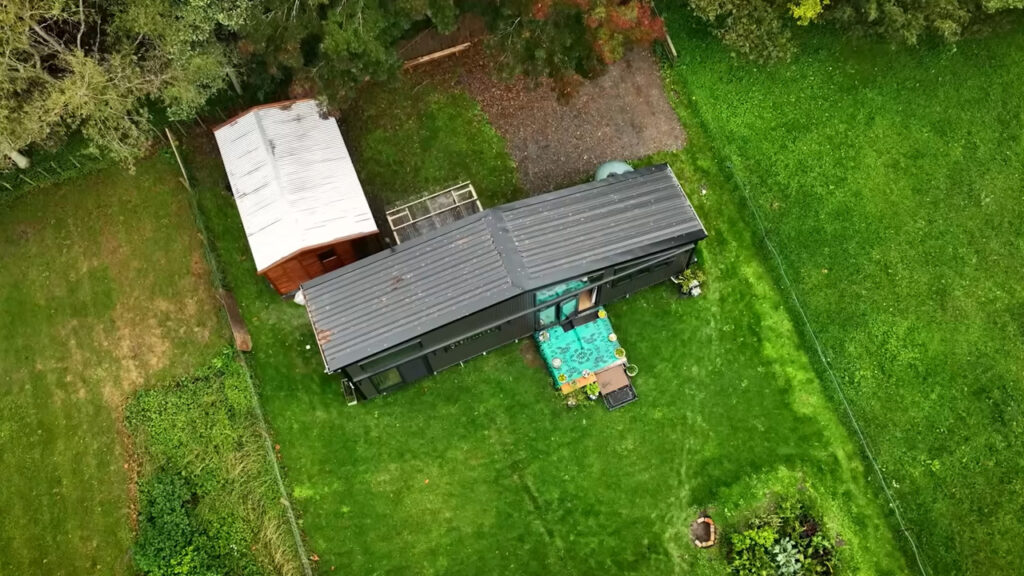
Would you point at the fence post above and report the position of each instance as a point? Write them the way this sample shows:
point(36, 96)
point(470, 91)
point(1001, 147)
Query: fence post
point(174, 148)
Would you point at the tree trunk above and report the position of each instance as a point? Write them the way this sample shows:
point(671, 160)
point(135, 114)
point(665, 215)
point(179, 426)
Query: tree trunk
point(20, 159)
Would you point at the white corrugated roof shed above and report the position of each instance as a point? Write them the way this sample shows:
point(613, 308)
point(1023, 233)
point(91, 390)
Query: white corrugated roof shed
point(293, 180)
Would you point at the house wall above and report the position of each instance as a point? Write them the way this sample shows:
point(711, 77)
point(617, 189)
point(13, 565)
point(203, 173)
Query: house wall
point(287, 275)
point(496, 326)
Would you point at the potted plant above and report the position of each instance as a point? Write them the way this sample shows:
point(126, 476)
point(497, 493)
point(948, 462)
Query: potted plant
point(593, 390)
point(689, 282)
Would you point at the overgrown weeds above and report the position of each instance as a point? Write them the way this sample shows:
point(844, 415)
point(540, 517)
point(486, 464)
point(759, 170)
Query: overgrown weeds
point(207, 500)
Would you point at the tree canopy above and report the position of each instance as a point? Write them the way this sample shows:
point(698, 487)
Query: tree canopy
point(761, 28)
point(329, 47)
point(566, 39)
point(98, 66)
point(102, 66)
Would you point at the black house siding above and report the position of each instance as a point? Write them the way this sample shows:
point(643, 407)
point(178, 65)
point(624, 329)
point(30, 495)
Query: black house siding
point(502, 324)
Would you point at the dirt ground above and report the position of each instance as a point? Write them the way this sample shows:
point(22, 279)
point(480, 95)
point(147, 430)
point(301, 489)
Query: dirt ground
point(621, 115)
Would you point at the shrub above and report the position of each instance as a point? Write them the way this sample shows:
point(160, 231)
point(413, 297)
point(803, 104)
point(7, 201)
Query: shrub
point(785, 540)
point(207, 504)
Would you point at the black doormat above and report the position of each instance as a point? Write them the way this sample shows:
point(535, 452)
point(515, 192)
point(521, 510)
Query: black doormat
point(619, 398)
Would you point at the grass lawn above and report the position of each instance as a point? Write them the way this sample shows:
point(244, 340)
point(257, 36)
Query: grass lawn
point(102, 287)
point(890, 181)
point(413, 139)
point(482, 470)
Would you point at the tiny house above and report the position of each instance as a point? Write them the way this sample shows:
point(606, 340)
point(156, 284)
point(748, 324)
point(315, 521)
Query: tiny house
point(499, 275)
point(300, 201)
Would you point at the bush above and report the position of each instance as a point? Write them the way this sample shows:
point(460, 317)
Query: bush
point(785, 540)
point(207, 504)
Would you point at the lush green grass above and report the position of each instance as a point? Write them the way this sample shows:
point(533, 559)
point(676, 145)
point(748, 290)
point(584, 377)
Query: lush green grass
point(890, 180)
point(412, 139)
point(102, 287)
point(483, 470)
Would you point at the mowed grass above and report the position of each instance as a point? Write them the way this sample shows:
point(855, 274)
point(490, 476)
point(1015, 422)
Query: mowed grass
point(890, 180)
point(102, 287)
point(483, 470)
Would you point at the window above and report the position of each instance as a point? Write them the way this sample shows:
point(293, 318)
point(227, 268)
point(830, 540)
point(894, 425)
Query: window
point(557, 312)
point(327, 256)
point(621, 275)
point(630, 271)
point(546, 317)
point(386, 379)
point(567, 308)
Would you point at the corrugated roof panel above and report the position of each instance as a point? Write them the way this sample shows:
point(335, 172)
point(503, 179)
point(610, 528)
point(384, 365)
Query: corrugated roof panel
point(293, 180)
point(485, 259)
point(390, 297)
point(592, 225)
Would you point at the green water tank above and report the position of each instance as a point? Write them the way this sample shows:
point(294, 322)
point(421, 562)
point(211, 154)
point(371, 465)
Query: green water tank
point(611, 168)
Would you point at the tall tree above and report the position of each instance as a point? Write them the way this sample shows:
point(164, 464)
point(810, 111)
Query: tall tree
point(566, 39)
point(329, 47)
point(95, 65)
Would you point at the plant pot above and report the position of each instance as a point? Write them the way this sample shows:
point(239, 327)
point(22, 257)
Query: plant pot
point(571, 402)
point(592, 397)
point(631, 370)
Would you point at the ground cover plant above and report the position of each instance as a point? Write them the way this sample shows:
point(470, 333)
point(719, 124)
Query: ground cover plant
point(889, 181)
point(102, 288)
point(784, 538)
point(208, 503)
point(483, 469)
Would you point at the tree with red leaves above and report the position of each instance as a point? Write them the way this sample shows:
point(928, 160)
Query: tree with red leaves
point(567, 40)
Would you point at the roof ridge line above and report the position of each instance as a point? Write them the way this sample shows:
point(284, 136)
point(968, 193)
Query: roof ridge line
point(504, 243)
point(272, 161)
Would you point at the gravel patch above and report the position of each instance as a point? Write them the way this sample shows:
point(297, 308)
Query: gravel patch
point(621, 115)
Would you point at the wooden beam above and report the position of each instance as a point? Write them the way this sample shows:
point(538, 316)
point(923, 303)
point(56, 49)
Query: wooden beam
point(243, 341)
point(434, 56)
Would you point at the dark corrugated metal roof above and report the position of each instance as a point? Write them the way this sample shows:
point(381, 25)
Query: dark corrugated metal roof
point(396, 295)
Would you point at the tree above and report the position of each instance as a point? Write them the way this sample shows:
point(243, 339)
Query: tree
point(567, 39)
point(96, 66)
point(329, 47)
point(761, 28)
point(755, 28)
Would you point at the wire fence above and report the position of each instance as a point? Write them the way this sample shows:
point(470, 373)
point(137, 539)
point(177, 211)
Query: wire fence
point(819, 349)
point(50, 168)
point(217, 279)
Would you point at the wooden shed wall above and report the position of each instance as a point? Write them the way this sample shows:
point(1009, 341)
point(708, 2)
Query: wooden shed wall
point(286, 276)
